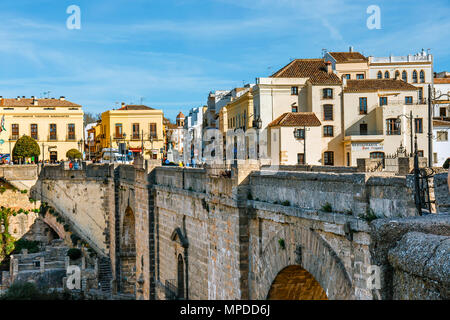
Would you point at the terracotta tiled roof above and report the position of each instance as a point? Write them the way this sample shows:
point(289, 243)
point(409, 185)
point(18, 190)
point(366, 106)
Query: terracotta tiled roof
point(441, 123)
point(314, 69)
point(180, 116)
point(348, 57)
point(135, 107)
point(441, 80)
point(296, 119)
point(377, 85)
point(24, 102)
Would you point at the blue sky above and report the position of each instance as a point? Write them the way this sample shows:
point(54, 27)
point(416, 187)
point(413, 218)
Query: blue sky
point(172, 53)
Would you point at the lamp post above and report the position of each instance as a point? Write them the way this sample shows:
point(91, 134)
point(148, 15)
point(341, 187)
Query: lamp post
point(257, 123)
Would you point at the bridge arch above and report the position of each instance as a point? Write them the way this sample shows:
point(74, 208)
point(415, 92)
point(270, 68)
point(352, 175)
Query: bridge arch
point(128, 252)
point(307, 257)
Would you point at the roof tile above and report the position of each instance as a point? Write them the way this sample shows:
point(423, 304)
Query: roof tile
point(314, 69)
point(296, 119)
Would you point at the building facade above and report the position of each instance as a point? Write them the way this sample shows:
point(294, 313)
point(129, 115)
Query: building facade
point(55, 124)
point(139, 126)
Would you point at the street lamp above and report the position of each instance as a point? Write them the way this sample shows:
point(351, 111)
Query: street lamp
point(257, 123)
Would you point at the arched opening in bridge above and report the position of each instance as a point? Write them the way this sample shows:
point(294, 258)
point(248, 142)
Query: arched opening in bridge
point(295, 283)
point(128, 252)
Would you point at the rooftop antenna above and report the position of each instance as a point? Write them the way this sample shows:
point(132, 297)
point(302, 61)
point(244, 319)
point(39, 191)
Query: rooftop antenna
point(46, 93)
point(142, 99)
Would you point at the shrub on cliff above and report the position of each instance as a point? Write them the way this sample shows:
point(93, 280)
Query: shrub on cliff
point(74, 154)
point(26, 147)
point(74, 253)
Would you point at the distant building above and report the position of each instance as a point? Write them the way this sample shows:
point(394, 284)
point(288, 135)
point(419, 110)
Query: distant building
point(139, 126)
point(441, 120)
point(55, 124)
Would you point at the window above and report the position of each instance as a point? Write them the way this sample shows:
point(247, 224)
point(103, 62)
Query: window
point(421, 95)
point(363, 105)
point(363, 129)
point(360, 76)
point(327, 131)
point(383, 101)
point(180, 276)
point(294, 109)
point(34, 131)
point(52, 132)
point(404, 76)
point(119, 131)
point(328, 112)
point(397, 74)
point(300, 158)
point(414, 76)
point(386, 75)
point(422, 76)
point(299, 134)
point(346, 76)
point(420, 153)
point(135, 134)
point(14, 131)
point(328, 93)
point(408, 100)
point(379, 75)
point(71, 131)
point(153, 130)
point(443, 112)
point(328, 158)
point(442, 136)
point(435, 157)
point(418, 125)
point(392, 127)
point(348, 159)
point(377, 155)
point(294, 91)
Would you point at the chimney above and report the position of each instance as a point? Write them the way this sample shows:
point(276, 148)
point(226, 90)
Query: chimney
point(62, 98)
point(18, 98)
point(350, 49)
point(35, 101)
point(329, 68)
point(123, 104)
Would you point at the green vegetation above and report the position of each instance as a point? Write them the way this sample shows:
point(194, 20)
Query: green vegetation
point(282, 244)
point(74, 253)
point(27, 291)
point(74, 154)
point(31, 246)
point(25, 147)
point(369, 216)
point(286, 203)
point(327, 207)
point(24, 191)
point(249, 196)
point(2, 189)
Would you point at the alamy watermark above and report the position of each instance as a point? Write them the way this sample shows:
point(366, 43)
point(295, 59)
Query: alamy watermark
point(374, 20)
point(73, 22)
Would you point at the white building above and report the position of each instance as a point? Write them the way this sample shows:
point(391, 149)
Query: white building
point(441, 144)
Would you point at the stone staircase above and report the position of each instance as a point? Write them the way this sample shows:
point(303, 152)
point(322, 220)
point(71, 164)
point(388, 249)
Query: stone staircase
point(105, 275)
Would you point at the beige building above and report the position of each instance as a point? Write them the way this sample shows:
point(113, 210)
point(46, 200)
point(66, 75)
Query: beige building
point(294, 138)
point(55, 124)
point(139, 126)
point(376, 118)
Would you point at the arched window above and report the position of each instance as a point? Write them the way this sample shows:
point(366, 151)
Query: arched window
point(386, 75)
point(379, 75)
point(397, 74)
point(180, 272)
point(404, 76)
point(414, 76)
point(422, 76)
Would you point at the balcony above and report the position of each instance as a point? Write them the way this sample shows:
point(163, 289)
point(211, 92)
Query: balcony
point(136, 136)
point(71, 137)
point(35, 137)
point(52, 137)
point(14, 137)
point(369, 135)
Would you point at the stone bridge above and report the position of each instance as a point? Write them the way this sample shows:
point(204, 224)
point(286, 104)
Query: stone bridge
point(239, 232)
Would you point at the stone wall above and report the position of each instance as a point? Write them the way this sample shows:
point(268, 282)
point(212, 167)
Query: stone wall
point(441, 193)
point(226, 233)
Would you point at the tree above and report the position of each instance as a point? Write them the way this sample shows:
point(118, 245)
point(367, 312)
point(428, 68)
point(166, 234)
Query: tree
point(26, 147)
point(90, 117)
point(74, 154)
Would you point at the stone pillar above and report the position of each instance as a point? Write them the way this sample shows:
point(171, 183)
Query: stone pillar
point(83, 263)
point(66, 262)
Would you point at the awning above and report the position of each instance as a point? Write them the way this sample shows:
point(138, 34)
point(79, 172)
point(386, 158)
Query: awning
point(135, 149)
